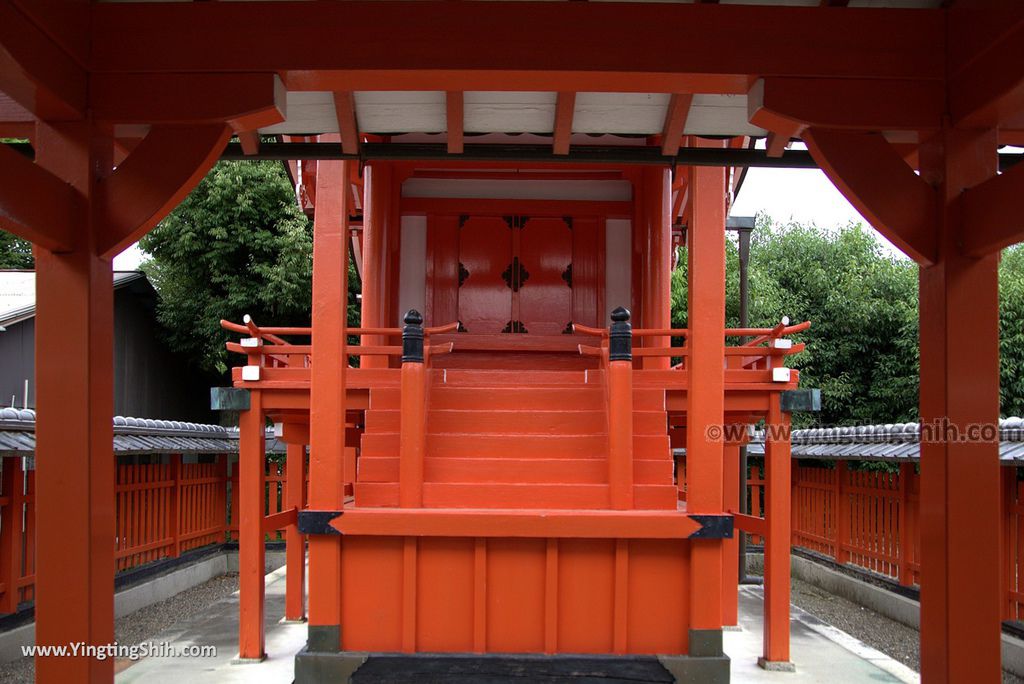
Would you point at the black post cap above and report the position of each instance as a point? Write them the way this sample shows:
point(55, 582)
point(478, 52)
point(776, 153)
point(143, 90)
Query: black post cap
point(412, 337)
point(620, 336)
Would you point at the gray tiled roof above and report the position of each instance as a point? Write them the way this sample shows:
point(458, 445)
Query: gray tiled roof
point(133, 436)
point(891, 442)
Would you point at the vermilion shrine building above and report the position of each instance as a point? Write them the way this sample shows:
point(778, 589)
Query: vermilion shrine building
point(495, 477)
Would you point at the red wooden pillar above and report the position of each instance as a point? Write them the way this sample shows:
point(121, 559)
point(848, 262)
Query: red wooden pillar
point(327, 397)
point(778, 475)
point(959, 502)
point(74, 426)
point(377, 226)
point(658, 267)
point(706, 404)
point(252, 454)
point(295, 542)
point(731, 547)
point(12, 488)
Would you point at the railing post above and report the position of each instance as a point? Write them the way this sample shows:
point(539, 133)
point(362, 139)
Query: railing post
point(620, 410)
point(906, 542)
point(778, 478)
point(13, 489)
point(295, 548)
point(413, 425)
point(252, 456)
point(175, 512)
point(843, 533)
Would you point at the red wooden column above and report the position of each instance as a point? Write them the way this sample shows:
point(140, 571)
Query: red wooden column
point(376, 230)
point(295, 542)
point(777, 482)
point(74, 428)
point(731, 547)
point(657, 273)
point(327, 398)
point(252, 455)
point(706, 401)
point(959, 503)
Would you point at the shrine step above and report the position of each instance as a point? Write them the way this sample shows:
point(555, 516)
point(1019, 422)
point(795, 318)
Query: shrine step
point(519, 496)
point(586, 398)
point(515, 470)
point(517, 422)
point(458, 377)
point(524, 446)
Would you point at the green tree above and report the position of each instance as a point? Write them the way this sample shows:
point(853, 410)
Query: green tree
point(239, 244)
point(15, 252)
point(862, 304)
point(1011, 331)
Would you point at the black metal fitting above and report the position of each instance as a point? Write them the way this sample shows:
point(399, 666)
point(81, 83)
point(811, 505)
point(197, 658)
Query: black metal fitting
point(412, 337)
point(620, 337)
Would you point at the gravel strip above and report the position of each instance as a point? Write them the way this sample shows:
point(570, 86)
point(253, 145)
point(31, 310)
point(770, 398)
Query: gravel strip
point(144, 624)
point(892, 638)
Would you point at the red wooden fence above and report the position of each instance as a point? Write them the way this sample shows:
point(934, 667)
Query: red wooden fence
point(162, 509)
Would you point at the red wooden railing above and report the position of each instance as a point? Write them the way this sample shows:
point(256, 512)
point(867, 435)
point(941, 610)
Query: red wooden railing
point(161, 509)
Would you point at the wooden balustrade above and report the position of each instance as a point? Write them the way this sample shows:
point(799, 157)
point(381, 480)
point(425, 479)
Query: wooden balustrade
point(161, 511)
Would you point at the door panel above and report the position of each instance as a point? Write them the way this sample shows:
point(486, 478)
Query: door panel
point(545, 294)
point(485, 251)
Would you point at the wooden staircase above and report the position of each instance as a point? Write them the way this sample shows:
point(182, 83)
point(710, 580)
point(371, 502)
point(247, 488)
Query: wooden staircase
point(503, 439)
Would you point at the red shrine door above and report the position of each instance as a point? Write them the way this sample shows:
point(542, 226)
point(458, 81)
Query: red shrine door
point(515, 275)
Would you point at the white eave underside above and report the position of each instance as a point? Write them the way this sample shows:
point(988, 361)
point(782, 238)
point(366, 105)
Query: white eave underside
point(514, 112)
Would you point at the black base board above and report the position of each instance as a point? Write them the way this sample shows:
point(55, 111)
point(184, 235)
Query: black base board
point(458, 668)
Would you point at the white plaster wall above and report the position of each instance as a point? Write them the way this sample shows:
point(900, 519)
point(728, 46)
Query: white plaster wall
point(618, 265)
point(412, 280)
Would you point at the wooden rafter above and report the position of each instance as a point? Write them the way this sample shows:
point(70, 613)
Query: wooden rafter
point(675, 123)
point(565, 107)
point(345, 108)
point(250, 141)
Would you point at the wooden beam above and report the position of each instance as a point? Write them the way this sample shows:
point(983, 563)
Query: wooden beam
point(876, 180)
point(438, 45)
point(345, 109)
point(456, 116)
point(991, 219)
point(155, 177)
point(986, 82)
point(36, 72)
point(245, 101)
point(35, 204)
point(846, 104)
point(565, 107)
point(675, 123)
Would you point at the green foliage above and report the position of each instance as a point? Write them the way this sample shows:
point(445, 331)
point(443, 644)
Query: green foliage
point(1011, 331)
point(862, 304)
point(238, 244)
point(15, 252)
